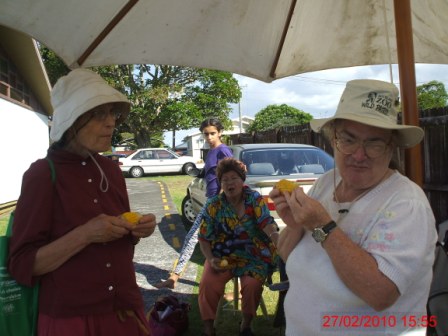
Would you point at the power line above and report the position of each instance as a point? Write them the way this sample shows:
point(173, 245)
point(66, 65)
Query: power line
point(318, 80)
point(335, 82)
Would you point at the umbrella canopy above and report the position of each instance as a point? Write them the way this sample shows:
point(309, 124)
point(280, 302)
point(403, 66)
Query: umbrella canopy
point(262, 39)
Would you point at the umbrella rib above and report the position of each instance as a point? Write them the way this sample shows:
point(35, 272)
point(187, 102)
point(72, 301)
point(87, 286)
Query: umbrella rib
point(111, 25)
point(272, 74)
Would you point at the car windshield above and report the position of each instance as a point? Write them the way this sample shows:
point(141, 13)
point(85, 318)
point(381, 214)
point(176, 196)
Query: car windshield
point(286, 161)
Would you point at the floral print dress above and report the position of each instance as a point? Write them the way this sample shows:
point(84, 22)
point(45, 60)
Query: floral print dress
point(241, 241)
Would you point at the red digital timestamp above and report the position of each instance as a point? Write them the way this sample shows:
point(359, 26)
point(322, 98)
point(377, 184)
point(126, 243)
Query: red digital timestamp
point(342, 321)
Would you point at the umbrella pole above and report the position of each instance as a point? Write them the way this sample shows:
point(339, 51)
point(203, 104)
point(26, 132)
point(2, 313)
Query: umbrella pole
point(408, 86)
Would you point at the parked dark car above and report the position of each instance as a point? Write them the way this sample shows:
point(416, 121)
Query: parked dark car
point(266, 165)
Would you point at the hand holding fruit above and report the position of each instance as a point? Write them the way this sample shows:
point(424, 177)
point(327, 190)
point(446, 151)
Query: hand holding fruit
point(143, 225)
point(131, 217)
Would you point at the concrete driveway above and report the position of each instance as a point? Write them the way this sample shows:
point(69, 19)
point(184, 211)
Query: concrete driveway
point(155, 255)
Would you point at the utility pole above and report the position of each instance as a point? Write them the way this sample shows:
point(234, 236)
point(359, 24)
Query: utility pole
point(239, 109)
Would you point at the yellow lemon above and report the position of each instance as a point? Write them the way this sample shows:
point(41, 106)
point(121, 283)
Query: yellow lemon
point(131, 217)
point(286, 185)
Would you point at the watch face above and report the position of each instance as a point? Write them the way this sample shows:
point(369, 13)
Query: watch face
point(319, 235)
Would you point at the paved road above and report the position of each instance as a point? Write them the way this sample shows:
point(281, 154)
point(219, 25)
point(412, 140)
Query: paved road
point(155, 255)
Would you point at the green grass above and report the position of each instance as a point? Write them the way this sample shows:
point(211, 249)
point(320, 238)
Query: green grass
point(3, 223)
point(228, 321)
point(177, 187)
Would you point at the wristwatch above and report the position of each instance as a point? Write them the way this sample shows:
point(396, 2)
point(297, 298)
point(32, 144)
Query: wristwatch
point(321, 233)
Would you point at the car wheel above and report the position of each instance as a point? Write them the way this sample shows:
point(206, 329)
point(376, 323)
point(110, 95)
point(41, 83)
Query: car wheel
point(136, 172)
point(188, 213)
point(187, 167)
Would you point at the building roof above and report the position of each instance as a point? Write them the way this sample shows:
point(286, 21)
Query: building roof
point(245, 120)
point(24, 51)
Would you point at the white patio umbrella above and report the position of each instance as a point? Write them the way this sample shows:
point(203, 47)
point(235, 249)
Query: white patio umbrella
point(262, 39)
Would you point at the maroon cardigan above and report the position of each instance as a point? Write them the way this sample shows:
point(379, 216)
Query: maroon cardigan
point(101, 277)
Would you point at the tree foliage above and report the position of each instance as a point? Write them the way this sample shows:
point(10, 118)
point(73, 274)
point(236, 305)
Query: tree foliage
point(275, 116)
point(54, 66)
point(431, 95)
point(166, 98)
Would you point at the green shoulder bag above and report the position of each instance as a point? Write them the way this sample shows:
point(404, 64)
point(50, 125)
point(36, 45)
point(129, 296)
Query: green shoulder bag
point(18, 304)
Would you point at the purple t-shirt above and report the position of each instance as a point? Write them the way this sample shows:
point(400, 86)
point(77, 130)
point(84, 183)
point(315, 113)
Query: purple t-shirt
point(213, 157)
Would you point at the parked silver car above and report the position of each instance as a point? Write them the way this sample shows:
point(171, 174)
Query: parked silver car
point(156, 161)
point(266, 165)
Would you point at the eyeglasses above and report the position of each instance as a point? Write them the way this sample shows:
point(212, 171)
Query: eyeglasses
point(372, 148)
point(102, 113)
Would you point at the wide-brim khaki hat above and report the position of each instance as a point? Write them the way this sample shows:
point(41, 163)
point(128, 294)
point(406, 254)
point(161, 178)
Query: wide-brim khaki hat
point(78, 92)
point(374, 103)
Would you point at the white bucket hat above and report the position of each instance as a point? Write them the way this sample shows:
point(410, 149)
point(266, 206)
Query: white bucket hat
point(374, 103)
point(78, 92)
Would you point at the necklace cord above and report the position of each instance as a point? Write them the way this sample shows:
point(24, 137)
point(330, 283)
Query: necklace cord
point(343, 211)
point(104, 183)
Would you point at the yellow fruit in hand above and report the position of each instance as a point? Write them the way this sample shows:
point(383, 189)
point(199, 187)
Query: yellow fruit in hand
point(224, 263)
point(286, 185)
point(131, 217)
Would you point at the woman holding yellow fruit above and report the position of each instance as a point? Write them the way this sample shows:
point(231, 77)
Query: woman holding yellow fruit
point(237, 237)
point(75, 235)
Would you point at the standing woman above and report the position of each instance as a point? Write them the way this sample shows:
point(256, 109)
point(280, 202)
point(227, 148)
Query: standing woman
point(212, 131)
point(68, 234)
point(361, 242)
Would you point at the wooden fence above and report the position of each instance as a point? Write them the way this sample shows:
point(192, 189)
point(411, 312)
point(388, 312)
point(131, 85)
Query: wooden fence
point(434, 152)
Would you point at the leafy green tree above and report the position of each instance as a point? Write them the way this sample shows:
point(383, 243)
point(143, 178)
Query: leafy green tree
point(275, 116)
point(431, 95)
point(165, 98)
point(171, 98)
point(54, 66)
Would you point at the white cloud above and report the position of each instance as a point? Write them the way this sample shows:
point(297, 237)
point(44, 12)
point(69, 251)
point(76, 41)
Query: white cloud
point(317, 92)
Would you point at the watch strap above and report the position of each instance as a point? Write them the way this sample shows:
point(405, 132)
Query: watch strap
point(327, 228)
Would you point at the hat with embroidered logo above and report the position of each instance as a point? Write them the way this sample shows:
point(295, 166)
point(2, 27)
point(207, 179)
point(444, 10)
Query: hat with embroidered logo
point(374, 103)
point(79, 92)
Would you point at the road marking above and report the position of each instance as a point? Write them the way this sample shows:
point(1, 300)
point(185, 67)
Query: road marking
point(176, 243)
point(172, 226)
point(166, 207)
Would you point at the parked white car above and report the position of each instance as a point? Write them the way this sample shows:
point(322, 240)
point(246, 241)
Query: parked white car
point(266, 165)
point(157, 161)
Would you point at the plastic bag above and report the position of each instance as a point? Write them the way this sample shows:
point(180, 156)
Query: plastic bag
point(18, 304)
point(168, 317)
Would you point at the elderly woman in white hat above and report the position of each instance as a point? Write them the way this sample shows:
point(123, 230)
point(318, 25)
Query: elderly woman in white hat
point(68, 234)
point(359, 247)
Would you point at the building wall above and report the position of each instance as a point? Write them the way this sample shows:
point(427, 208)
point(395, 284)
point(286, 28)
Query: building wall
point(197, 146)
point(24, 139)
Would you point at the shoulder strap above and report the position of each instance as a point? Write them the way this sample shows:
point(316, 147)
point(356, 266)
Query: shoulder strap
point(53, 171)
point(9, 227)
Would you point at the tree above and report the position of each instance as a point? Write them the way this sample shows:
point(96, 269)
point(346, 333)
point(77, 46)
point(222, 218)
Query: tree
point(171, 98)
point(54, 66)
point(166, 98)
point(275, 116)
point(431, 95)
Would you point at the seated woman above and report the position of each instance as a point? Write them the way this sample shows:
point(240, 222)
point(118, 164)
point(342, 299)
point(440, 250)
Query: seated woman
point(238, 228)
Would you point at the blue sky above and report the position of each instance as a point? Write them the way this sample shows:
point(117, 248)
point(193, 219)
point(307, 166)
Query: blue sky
point(316, 93)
